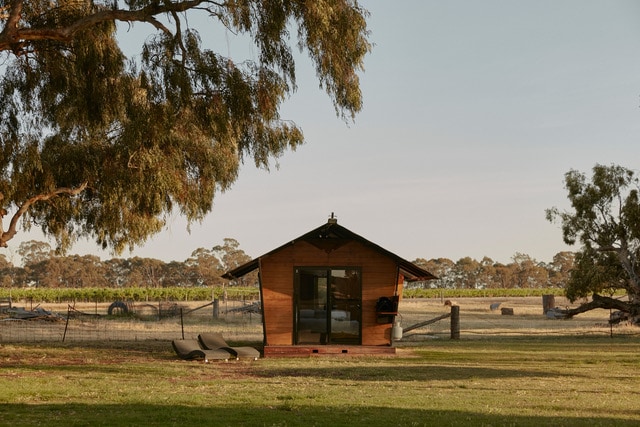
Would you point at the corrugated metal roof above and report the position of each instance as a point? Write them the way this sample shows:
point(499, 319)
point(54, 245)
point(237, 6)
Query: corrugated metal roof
point(330, 236)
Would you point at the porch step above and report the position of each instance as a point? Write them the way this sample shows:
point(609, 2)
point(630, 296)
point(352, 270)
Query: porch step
point(308, 351)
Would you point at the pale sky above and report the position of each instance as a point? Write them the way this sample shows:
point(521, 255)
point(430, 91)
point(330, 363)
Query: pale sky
point(473, 111)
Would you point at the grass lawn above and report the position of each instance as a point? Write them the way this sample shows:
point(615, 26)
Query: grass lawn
point(555, 381)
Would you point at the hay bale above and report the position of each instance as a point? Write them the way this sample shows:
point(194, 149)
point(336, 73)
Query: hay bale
point(506, 311)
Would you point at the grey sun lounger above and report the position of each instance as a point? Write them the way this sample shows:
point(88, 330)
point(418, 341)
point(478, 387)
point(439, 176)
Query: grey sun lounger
point(212, 341)
point(191, 349)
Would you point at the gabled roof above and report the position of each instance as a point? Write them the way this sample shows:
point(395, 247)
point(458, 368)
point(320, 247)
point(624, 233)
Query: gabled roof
point(331, 236)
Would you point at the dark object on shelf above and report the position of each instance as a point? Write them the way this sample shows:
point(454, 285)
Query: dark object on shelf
point(387, 305)
point(386, 309)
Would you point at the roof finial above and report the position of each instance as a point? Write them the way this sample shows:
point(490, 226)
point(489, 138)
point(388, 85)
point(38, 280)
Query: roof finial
point(333, 219)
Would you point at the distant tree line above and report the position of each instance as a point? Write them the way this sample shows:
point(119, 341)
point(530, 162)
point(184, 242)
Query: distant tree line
point(42, 268)
point(522, 273)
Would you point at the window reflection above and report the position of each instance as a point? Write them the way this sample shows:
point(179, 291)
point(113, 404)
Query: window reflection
point(328, 305)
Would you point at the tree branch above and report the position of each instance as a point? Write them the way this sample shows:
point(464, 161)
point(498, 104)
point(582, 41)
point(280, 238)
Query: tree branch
point(599, 302)
point(13, 38)
point(11, 27)
point(13, 224)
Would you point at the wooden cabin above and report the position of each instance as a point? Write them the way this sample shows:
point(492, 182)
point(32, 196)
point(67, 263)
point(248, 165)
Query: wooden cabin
point(330, 291)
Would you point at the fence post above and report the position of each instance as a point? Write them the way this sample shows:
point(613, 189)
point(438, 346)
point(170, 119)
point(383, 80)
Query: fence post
point(216, 308)
point(455, 322)
point(182, 323)
point(66, 325)
point(548, 303)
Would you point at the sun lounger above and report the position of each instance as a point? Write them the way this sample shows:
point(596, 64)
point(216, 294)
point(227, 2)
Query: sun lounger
point(191, 349)
point(212, 341)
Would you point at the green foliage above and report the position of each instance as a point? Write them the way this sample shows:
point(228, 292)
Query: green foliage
point(605, 211)
point(605, 219)
point(61, 295)
point(58, 295)
point(44, 269)
point(595, 273)
point(206, 266)
point(522, 272)
point(165, 131)
point(481, 293)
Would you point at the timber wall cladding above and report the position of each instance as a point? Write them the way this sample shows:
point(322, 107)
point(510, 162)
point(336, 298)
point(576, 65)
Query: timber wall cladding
point(379, 277)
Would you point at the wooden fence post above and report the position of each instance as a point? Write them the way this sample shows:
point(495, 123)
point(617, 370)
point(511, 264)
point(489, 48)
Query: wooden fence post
point(182, 323)
point(66, 325)
point(548, 303)
point(216, 308)
point(455, 322)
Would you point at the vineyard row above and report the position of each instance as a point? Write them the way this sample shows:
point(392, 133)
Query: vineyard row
point(62, 295)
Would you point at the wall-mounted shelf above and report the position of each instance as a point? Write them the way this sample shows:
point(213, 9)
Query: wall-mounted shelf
point(386, 316)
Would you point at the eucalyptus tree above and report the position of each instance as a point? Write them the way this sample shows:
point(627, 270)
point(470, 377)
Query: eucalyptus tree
point(100, 145)
point(487, 276)
point(605, 220)
point(505, 275)
point(6, 270)
point(4, 263)
point(146, 272)
point(560, 268)
point(466, 271)
point(75, 271)
point(440, 267)
point(33, 252)
point(205, 268)
point(116, 272)
point(231, 256)
point(529, 273)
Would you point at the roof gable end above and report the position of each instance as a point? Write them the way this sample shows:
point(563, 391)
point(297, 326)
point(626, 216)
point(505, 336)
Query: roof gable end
point(329, 237)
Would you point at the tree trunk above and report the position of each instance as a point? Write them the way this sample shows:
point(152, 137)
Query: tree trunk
point(632, 310)
point(548, 303)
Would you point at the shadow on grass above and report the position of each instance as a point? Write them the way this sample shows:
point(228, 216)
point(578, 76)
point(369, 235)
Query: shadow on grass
point(282, 413)
point(405, 372)
point(113, 360)
point(397, 373)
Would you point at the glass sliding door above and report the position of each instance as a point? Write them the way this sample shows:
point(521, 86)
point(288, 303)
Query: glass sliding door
point(327, 305)
point(346, 301)
point(311, 303)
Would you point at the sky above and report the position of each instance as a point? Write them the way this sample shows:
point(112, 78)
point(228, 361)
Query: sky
point(473, 112)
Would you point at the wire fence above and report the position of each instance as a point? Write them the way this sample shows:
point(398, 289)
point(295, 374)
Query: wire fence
point(241, 321)
point(120, 321)
point(503, 317)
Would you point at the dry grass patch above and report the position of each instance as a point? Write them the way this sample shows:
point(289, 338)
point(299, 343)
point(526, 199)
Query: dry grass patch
point(477, 320)
point(560, 381)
